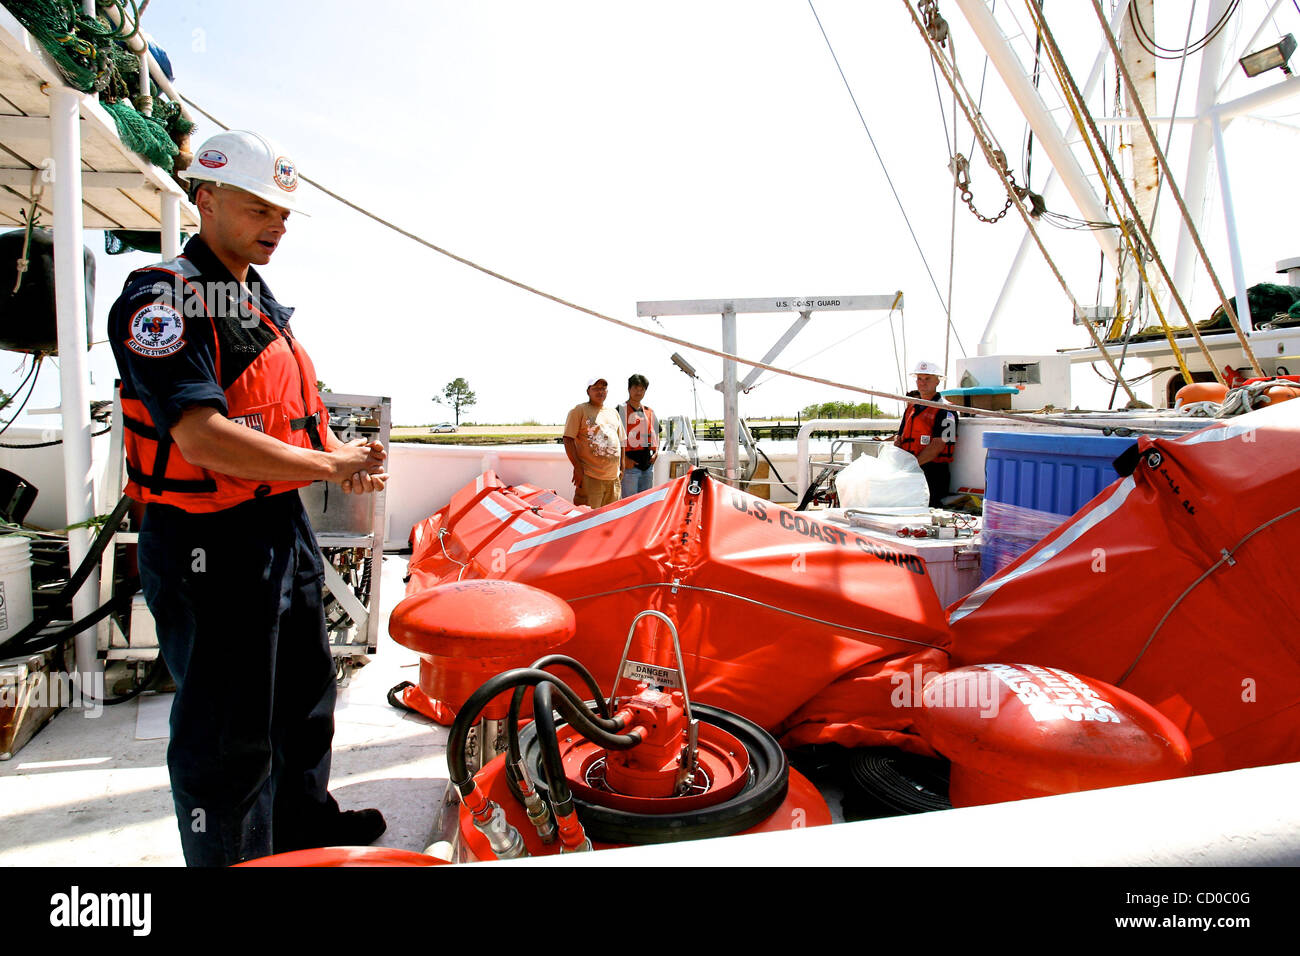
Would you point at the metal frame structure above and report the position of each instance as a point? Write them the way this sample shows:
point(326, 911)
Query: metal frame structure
point(804, 306)
point(1206, 142)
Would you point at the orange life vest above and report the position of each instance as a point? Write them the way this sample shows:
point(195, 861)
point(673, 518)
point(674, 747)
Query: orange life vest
point(275, 394)
point(640, 426)
point(917, 431)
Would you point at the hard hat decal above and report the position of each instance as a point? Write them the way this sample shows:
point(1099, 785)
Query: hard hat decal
point(286, 174)
point(212, 158)
point(156, 330)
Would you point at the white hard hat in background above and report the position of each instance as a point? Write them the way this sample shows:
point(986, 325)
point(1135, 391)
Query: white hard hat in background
point(927, 368)
point(251, 163)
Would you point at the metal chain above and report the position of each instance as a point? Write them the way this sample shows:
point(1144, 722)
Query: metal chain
point(960, 167)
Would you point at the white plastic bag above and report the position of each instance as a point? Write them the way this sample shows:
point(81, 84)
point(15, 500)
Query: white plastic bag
point(892, 480)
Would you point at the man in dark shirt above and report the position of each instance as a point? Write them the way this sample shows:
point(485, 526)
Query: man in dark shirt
point(223, 424)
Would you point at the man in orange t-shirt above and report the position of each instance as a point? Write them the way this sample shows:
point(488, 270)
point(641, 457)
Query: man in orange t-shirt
point(593, 440)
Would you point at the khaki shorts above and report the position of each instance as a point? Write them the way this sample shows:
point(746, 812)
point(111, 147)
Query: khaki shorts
point(600, 493)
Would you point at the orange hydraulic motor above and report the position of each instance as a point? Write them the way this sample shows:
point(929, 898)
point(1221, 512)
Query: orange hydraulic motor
point(658, 765)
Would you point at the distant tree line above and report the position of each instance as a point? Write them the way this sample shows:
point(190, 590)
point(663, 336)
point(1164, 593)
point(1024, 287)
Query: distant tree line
point(842, 410)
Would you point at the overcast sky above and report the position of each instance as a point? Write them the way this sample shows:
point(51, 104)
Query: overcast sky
point(612, 152)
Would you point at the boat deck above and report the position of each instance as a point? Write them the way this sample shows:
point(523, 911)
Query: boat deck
point(94, 791)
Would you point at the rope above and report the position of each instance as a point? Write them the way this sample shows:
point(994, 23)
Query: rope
point(1175, 191)
point(32, 217)
point(990, 155)
point(1074, 99)
point(695, 346)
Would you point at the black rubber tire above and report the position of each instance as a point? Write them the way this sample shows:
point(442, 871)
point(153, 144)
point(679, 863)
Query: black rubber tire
point(890, 782)
point(769, 779)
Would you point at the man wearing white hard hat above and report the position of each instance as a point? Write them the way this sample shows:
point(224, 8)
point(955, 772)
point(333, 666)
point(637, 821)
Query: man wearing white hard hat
point(594, 440)
point(223, 424)
point(929, 433)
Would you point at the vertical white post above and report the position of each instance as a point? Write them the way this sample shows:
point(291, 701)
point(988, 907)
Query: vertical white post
point(171, 225)
point(1198, 152)
point(1230, 222)
point(70, 303)
point(730, 406)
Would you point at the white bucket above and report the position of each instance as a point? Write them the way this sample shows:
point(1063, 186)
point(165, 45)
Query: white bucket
point(15, 584)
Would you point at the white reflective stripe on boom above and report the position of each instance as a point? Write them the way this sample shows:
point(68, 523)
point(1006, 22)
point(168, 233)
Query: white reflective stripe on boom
point(1235, 430)
point(1094, 517)
point(518, 524)
point(602, 517)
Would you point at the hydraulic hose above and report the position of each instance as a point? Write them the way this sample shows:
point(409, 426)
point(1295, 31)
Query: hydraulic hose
point(544, 702)
point(513, 755)
point(552, 764)
point(569, 704)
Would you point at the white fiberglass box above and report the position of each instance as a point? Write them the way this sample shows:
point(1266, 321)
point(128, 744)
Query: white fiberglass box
point(1042, 379)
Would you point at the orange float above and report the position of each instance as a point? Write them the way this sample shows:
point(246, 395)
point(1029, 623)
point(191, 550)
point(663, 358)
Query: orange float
point(1200, 392)
point(1014, 731)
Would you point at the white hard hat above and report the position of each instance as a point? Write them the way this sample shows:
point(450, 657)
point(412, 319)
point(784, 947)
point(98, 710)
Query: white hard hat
point(927, 368)
point(593, 381)
point(249, 162)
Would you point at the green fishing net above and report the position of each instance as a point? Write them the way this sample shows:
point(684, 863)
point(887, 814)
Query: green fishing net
point(92, 56)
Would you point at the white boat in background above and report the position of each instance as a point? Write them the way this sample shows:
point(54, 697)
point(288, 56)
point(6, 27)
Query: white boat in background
point(98, 790)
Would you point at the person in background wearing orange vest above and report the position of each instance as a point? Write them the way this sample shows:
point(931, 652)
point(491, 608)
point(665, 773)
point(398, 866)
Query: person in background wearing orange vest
point(929, 433)
point(223, 424)
point(641, 447)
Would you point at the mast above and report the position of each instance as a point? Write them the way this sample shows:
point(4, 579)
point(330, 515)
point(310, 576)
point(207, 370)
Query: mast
point(1142, 67)
point(1144, 167)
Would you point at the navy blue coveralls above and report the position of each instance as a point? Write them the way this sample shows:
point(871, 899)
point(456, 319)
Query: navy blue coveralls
point(237, 598)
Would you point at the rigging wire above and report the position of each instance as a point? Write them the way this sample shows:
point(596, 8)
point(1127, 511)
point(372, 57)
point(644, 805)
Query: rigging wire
point(879, 158)
point(1192, 231)
point(1136, 380)
point(989, 147)
point(717, 353)
point(984, 75)
point(1093, 140)
point(1148, 42)
point(1178, 87)
point(33, 375)
point(1028, 151)
point(1143, 304)
point(851, 335)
